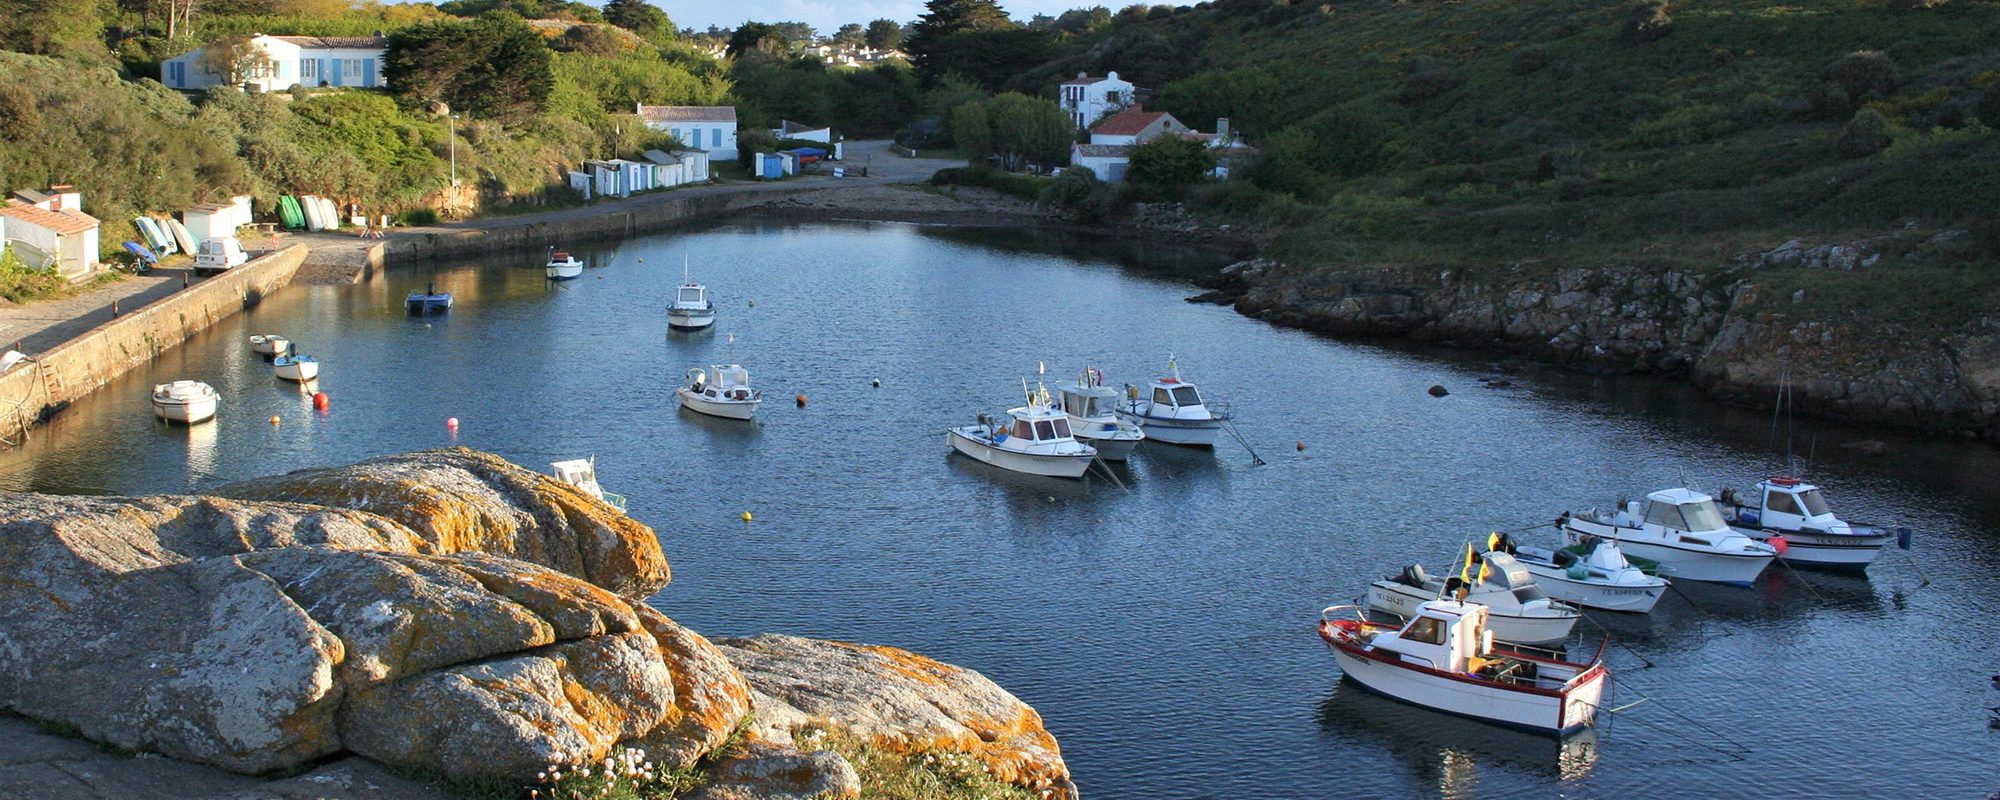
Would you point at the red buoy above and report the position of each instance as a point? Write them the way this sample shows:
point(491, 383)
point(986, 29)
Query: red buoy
point(452, 423)
point(321, 401)
point(802, 401)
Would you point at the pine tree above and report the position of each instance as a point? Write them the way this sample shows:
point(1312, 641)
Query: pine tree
point(638, 16)
point(943, 19)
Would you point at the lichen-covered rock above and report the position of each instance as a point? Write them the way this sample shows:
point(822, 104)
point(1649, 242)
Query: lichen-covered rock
point(899, 701)
point(464, 501)
point(771, 771)
point(711, 698)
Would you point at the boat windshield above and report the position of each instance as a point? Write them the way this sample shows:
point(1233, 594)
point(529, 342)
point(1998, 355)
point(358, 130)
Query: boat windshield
point(1160, 396)
point(1022, 430)
point(1528, 594)
point(690, 294)
point(1043, 430)
point(1062, 428)
point(1815, 505)
point(1702, 516)
point(1186, 396)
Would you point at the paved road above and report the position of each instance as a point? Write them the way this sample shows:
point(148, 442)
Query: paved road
point(36, 327)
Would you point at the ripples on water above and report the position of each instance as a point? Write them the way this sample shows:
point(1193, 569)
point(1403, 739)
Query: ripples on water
point(1165, 633)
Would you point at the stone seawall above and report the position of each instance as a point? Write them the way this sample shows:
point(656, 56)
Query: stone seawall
point(641, 215)
point(81, 365)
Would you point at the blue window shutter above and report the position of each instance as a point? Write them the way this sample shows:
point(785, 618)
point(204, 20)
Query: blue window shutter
point(337, 65)
point(368, 72)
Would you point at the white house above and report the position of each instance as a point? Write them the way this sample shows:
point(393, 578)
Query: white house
point(50, 230)
point(293, 61)
point(1088, 99)
point(788, 129)
point(217, 220)
point(707, 128)
point(1112, 141)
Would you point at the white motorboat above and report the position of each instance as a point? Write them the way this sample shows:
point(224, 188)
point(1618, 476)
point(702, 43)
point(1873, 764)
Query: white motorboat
point(721, 391)
point(269, 345)
point(1171, 410)
point(1034, 439)
point(185, 401)
point(1592, 574)
point(691, 309)
point(293, 367)
point(562, 266)
point(1795, 512)
point(582, 474)
point(1092, 409)
point(1683, 531)
point(1444, 659)
point(1521, 613)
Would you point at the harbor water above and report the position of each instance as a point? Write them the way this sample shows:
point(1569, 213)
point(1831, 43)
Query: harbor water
point(1162, 623)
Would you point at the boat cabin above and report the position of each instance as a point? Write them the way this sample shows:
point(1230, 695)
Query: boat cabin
point(729, 381)
point(560, 257)
point(1088, 402)
point(1445, 635)
point(580, 473)
point(1038, 425)
point(1505, 571)
point(1788, 504)
point(1690, 515)
point(1172, 393)
point(691, 295)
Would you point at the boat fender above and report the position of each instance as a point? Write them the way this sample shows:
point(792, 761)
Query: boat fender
point(1132, 393)
point(1577, 571)
point(1778, 543)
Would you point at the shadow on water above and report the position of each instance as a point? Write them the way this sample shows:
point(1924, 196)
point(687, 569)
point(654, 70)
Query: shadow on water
point(1447, 751)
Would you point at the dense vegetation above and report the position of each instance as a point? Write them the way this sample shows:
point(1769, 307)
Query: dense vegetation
point(1491, 131)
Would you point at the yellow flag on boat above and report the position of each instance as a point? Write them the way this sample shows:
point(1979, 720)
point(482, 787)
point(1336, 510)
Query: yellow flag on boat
point(1465, 572)
point(1483, 566)
point(1492, 542)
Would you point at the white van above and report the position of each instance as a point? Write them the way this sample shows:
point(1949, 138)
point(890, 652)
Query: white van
point(218, 254)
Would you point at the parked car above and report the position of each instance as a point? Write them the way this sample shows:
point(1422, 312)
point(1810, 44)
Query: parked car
point(219, 254)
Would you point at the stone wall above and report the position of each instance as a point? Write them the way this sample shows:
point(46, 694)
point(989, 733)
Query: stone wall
point(81, 365)
point(640, 215)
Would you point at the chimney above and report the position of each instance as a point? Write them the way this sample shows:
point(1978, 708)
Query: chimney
point(1081, 76)
point(1112, 75)
point(1222, 131)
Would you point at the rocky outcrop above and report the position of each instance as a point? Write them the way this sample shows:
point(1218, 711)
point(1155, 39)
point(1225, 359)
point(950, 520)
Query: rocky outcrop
point(1718, 329)
point(261, 635)
point(896, 700)
point(465, 501)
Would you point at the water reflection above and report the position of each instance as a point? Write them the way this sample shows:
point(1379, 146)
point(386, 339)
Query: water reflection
point(1446, 751)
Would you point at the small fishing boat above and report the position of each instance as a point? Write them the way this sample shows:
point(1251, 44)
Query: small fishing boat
point(1171, 410)
point(1592, 574)
point(691, 309)
point(294, 367)
point(1035, 439)
point(721, 391)
point(1521, 613)
point(563, 266)
point(270, 345)
point(1791, 509)
point(1092, 409)
point(1684, 531)
point(184, 401)
point(429, 301)
point(1444, 658)
point(582, 474)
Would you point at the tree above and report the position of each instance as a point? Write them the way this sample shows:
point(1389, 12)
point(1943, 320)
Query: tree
point(989, 58)
point(1165, 166)
point(757, 37)
point(944, 19)
point(236, 59)
point(496, 66)
point(640, 17)
point(1025, 131)
point(43, 27)
point(795, 32)
point(885, 34)
point(972, 133)
point(851, 35)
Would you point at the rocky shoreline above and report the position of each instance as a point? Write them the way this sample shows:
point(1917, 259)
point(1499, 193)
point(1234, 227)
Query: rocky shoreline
point(1717, 329)
point(452, 617)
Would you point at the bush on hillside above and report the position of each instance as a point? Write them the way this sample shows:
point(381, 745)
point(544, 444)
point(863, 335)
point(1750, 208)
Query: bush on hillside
point(1863, 135)
point(751, 141)
point(1647, 20)
point(1026, 187)
point(1424, 78)
point(1864, 75)
point(1079, 195)
point(1166, 166)
point(1529, 60)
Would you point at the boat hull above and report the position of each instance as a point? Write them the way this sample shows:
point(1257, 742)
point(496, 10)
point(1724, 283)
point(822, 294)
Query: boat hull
point(1826, 551)
point(730, 409)
point(270, 347)
point(1546, 713)
point(422, 306)
point(300, 371)
point(189, 412)
point(1556, 583)
point(1402, 600)
point(563, 272)
point(1740, 569)
point(1071, 466)
point(689, 320)
point(1184, 432)
point(1111, 449)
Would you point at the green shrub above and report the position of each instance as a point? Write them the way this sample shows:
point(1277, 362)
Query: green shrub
point(1164, 167)
point(1529, 60)
point(1863, 135)
point(1758, 108)
point(417, 216)
point(1026, 187)
point(1685, 125)
point(21, 284)
point(1864, 75)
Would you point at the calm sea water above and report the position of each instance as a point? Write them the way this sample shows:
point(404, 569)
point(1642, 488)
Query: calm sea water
point(1163, 628)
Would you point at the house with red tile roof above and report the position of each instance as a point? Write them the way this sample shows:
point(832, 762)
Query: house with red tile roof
point(49, 230)
point(1135, 125)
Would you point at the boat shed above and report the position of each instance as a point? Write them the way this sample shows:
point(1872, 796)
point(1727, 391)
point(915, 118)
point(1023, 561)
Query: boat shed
point(604, 179)
point(217, 220)
point(580, 181)
point(54, 231)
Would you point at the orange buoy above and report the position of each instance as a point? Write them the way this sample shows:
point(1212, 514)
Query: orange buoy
point(274, 419)
point(802, 401)
point(452, 423)
point(746, 516)
point(1302, 447)
point(321, 401)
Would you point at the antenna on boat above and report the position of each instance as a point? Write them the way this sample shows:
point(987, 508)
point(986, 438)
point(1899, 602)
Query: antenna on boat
point(684, 268)
point(1173, 367)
